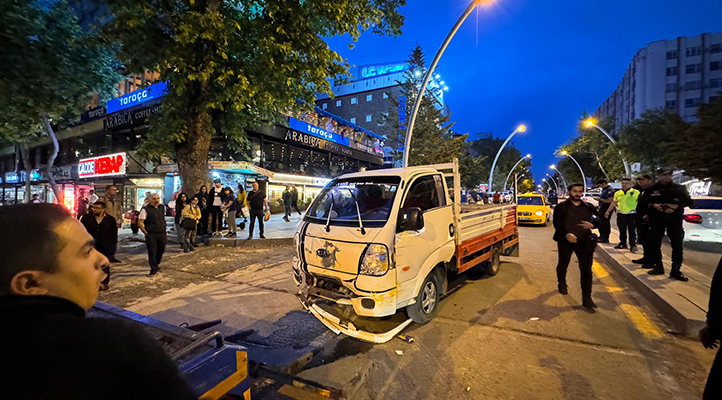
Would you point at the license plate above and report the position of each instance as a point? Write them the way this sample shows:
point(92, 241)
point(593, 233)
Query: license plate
point(524, 219)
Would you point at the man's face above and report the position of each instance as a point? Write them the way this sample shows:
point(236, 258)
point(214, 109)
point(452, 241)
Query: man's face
point(155, 199)
point(665, 178)
point(602, 185)
point(642, 181)
point(576, 193)
point(97, 209)
point(255, 186)
point(218, 185)
point(112, 191)
point(626, 185)
point(80, 267)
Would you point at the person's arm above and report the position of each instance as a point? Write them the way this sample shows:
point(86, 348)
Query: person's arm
point(141, 221)
point(558, 219)
point(615, 202)
point(187, 212)
point(714, 311)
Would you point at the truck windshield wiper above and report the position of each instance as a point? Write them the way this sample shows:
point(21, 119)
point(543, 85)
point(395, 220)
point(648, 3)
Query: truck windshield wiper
point(330, 210)
point(358, 213)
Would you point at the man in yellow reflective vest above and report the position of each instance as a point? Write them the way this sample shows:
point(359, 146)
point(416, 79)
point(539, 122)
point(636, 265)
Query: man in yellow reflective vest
point(625, 201)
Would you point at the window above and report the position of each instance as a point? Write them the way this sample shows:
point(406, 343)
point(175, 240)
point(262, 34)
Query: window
point(324, 106)
point(368, 118)
point(715, 83)
point(671, 87)
point(716, 48)
point(671, 71)
point(354, 100)
point(670, 105)
point(369, 97)
point(692, 68)
point(386, 95)
point(374, 197)
point(692, 85)
point(338, 103)
point(353, 120)
point(423, 193)
point(694, 51)
point(715, 65)
point(671, 55)
point(691, 102)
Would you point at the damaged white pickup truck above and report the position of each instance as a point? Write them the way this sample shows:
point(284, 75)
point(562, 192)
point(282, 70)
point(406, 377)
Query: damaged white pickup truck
point(374, 248)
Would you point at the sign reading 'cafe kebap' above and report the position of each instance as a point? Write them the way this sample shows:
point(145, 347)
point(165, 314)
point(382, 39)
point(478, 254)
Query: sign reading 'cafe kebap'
point(110, 165)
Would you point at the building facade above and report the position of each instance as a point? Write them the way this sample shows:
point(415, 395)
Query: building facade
point(674, 74)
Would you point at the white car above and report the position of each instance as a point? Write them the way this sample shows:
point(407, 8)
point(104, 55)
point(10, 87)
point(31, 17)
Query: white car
point(703, 221)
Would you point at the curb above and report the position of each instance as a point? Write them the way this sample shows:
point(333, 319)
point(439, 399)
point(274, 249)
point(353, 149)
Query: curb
point(685, 316)
point(247, 243)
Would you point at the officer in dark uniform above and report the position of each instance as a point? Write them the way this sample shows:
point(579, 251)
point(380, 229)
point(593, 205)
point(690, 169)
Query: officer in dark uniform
point(643, 227)
point(664, 202)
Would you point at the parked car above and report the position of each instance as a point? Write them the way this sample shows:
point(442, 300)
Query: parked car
point(703, 221)
point(532, 208)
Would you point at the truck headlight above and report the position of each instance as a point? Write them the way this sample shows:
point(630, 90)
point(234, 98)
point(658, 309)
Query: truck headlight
point(375, 261)
point(539, 213)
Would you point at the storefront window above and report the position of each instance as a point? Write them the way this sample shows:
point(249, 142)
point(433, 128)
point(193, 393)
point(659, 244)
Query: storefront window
point(319, 165)
point(298, 161)
point(275, 156)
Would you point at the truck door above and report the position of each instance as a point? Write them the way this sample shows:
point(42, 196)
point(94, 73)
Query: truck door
point(414, 247)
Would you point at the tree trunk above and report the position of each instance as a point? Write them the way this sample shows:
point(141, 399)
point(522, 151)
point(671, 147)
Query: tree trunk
point(51, 160)
point(599, 162)
point(25, 156)
point(192, 155)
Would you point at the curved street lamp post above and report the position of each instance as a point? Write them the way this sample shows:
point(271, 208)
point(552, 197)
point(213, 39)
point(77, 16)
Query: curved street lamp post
point(554, 167)
point(551, 178)
point(592, 123)
point(520, 128)
point(514, 167)
point(584, 178)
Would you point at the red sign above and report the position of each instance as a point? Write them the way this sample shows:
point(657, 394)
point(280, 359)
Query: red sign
point(112, 164)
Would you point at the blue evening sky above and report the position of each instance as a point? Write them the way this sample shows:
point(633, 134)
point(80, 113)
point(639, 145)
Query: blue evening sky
point(537, 62)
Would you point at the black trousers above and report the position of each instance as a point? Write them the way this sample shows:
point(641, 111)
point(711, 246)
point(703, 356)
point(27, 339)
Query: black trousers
point(255, 215)
point(155, 242)
point(673, 226)
point(216, 219)
point(605, 227)
point(295, 207)
point(134, 228)
point(585, 253)
point(203, 223)
point(643, 238)
point(713, 390)
point(113, 248)
point(627, 223)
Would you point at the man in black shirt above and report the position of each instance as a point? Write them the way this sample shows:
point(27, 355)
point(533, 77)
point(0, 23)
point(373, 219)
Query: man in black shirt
point(102, 227)
point(257, 204)
point(573, 221)
point(643, 227)
point(606, 197)
point(664, 203)
point(711, 334)
point(151, 222)
point(50, 272)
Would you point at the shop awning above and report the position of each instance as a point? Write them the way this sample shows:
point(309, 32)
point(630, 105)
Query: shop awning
point(237, 166)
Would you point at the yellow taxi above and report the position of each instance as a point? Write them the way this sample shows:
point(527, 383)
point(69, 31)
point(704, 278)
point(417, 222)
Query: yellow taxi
point(533, 208)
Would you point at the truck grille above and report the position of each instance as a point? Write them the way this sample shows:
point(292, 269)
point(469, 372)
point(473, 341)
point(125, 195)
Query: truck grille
point(524, 214)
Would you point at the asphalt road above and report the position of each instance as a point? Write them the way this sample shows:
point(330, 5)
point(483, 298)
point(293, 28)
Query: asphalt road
point(511, 336)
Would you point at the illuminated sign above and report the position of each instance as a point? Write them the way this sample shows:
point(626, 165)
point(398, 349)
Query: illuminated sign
point(402, 120)
point(112, 164)
point(138, 97)
point(12, 177)
point(313, 130)
point(369, 71)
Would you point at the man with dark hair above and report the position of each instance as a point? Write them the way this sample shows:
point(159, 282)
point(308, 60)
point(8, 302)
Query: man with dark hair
point(214, 208)
point(151, 222)
point(102, 228)
point(665, 202)
point(606, 197)
point(643, 227)
point(625, 201)
point(112, 208)
point(574, 220)
point(711, 334)
point(50, 273)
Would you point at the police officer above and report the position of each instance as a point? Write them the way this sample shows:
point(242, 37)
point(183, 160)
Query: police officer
point(643, 227)
point(606, 197)
point(665, 202)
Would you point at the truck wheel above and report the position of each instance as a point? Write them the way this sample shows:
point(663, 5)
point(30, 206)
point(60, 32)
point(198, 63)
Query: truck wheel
point(427, 301)
point(492, 266)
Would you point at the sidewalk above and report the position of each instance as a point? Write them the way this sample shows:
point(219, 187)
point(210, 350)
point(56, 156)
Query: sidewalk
point(276, 230)
point(683, 303)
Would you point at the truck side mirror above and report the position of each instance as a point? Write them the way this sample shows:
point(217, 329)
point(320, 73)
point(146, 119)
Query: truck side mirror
point(411, 219)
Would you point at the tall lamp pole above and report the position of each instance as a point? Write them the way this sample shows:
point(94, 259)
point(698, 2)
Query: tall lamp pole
point(584, 178)
point(591, 122)
point(427, 77)
point(550, 186)
point(520, 128)
point(551, 178)
point(514, 167)
point(554, 167)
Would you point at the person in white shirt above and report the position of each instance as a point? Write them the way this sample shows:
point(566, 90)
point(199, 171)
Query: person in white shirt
point(93, 197)
point(214, 208)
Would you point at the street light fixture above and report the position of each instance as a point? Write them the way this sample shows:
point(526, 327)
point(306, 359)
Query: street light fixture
point(592, 123)
point(554, 182)
point(584, 178)
point(429, 74)
point(520, 128)
point(514, 167)
point(554, 167)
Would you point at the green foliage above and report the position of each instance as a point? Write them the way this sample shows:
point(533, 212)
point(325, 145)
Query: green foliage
point(697, 148)
point(49, 67)
point(231, 65)
point(434, 140)
point(650, 140)
point(486, 149)
point(594, 151)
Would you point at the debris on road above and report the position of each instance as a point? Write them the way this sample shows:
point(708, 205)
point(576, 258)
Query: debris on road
point(400, 352)
point(406, 338)
point(534, 319)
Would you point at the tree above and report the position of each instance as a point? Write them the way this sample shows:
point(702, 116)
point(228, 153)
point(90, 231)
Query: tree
point(651, 139)
point(230, 65)
point(487, 148)
point(605, 160)
point(697, 148)
point(50, 70)
point(434, 141)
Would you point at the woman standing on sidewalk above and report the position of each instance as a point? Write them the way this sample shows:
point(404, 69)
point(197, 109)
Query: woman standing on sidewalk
point(189, 220)
point(202, 197)
point(180, 203)
point(230, 204)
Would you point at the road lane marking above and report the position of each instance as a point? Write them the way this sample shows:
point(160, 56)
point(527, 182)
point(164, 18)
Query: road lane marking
point(635, 314)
